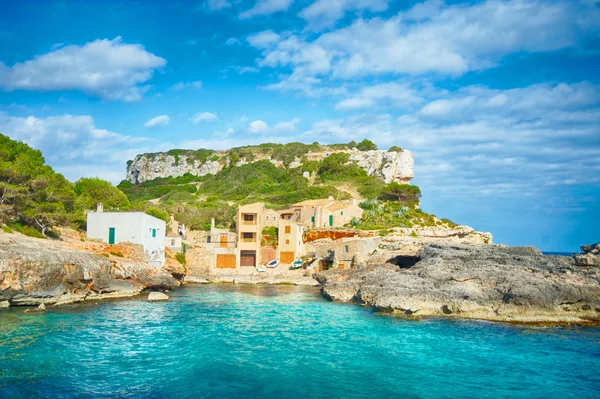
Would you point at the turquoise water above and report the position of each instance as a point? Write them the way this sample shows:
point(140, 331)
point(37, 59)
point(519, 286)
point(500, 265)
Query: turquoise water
point(283, 342)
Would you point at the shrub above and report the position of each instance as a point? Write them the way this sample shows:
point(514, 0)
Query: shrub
point(158, 213)
point(366, 145)
point(180, 258)
point(7, 229)
point(116, 253)
point(395, 148)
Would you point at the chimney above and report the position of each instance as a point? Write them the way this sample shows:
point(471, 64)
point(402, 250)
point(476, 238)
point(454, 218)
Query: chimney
point(212, 223)
point(99, 207)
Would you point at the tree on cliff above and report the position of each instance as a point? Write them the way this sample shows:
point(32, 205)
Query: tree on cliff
point(404, 193)
point(366, 145)
point(30, 191)
point(91, 191)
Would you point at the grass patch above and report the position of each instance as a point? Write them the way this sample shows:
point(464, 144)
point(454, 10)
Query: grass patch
point(180, 258)
point(7, 229)
point(115, 253)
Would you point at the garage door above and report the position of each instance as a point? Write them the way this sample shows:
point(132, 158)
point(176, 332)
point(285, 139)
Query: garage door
point(225, 261)
point(286, 257)
point(248, 258)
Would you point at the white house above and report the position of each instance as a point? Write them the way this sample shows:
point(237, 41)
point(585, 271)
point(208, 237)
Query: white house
point(133, 227)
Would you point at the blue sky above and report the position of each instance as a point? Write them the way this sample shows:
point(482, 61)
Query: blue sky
point(499, 101)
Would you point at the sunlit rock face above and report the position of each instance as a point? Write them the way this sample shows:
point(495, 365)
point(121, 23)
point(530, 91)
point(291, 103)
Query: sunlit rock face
point(389, 166)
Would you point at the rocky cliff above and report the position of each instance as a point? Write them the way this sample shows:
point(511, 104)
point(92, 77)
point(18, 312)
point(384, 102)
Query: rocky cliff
point(34, 271)
point(491, 282)
point(390, 166)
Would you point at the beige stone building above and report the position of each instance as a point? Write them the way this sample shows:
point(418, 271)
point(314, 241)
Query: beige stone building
point(271, 218)
point(290, 241)
point(249, 222)
point(323, 213)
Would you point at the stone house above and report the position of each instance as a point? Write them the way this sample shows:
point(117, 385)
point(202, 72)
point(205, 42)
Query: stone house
point(133, 227)
point(290, 241)
point(341, 253)
point(323, 213)
point(249, 222)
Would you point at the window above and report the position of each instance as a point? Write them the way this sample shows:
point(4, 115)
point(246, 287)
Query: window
point(248, 235)
point(153, 233)
point(248, 217)
point(312, 219)
point(287, 241)
point(172, 242)
point(342, 213)
point(288, 229)
point(346, 249)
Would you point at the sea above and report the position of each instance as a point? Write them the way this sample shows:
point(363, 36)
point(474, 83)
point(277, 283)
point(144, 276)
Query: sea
point(243, 341)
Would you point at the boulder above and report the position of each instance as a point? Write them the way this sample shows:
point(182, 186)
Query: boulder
point(157, 297)
point(4, 304)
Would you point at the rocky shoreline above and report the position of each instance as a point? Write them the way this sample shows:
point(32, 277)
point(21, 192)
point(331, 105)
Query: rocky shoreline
point(34, 272)
point(488, 282)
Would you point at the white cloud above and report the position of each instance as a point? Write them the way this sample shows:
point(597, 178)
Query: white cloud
point(257, 126)
point(74, 146)
point(393, 94)
point(266, 7)
point(232, 41)
point(215, 5)
point(324, 13)
point(432, 37)
point(263, 39)
point(204, 117)
point(109, 69)
point(289, 126)
point(160, 120)
point(195, 85)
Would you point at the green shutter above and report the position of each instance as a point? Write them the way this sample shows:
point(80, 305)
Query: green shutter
point(312, 219)
point(153, 233)
point(111, 235)
point(330, 220)
point(341, 213)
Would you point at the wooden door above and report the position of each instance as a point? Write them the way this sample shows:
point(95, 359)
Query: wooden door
point(225, 261)
point(223, 242)
point(286, 257)
point(248, 258)
point(111, 235)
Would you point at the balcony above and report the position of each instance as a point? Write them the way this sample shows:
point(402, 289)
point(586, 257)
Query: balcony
point(248, 237)
point(249, 219)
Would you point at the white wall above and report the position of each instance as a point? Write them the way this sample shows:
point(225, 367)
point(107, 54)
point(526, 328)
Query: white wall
point(133, 227)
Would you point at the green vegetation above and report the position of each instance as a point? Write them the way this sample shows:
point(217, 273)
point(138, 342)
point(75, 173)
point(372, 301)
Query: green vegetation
point(382, 215)
point(270, 235)
point(31, 193)
point(405, 193)
point(366, 145)
point(180, 258)
point(395, 149)
point(115, 253)
point(157, 188)
point(91, 191)
point(7, 229)
point(158, 213)
point(26, 230)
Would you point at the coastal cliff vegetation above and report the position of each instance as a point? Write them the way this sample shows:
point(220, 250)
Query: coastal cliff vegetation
point(34, 198)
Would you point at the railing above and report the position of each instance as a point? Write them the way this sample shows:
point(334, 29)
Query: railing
point(249, 222)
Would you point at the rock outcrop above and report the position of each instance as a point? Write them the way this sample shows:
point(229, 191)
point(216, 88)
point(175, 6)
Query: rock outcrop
point(157, 297)
point(590, 256)
point(389, 166)
point(491, 282)
point(35, 271)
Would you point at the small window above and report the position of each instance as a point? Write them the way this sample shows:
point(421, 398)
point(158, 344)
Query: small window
point(248, 235)
point(346, 249)
point(153, 233)
point(248, 217)
point(342, 213)
point(287, 241)
point(288, 229)
point(267, 218)
point(312, 219)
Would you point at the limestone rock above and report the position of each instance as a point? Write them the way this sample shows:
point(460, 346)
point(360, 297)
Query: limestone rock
point(390, 166)
point(157, 297)
point(4, 304)
point(491, 282)
point(41, 271)
point(591, 257)
point(42, 307)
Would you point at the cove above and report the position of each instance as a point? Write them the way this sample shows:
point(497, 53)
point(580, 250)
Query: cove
point(283, 342)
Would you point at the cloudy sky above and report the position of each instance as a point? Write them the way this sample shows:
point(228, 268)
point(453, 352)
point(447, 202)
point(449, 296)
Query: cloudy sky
point(499, 100)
